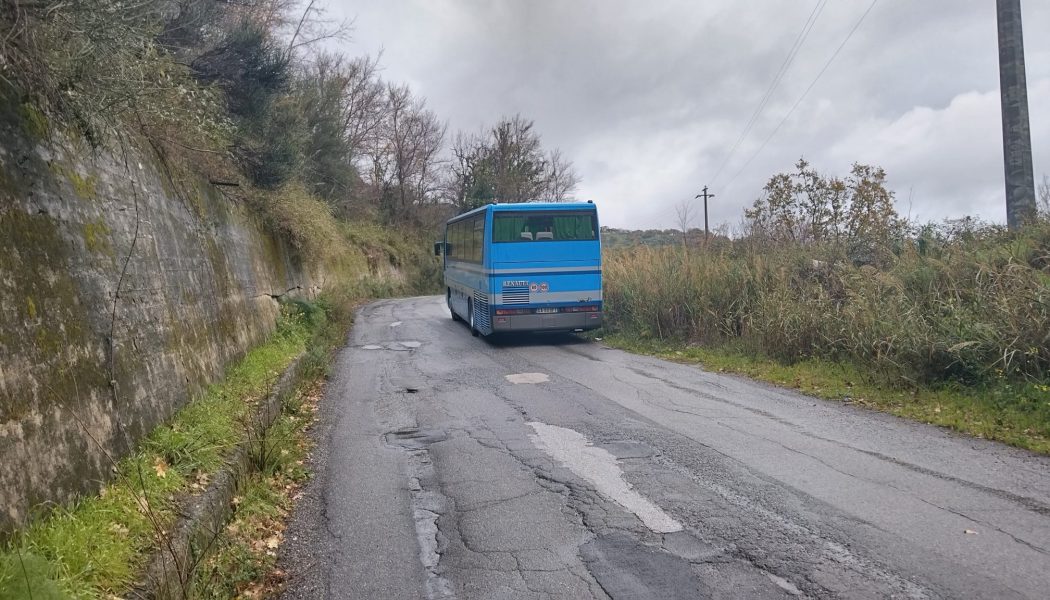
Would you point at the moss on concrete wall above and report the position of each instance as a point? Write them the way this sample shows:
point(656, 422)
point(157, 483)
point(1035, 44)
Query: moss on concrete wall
point(96, 355)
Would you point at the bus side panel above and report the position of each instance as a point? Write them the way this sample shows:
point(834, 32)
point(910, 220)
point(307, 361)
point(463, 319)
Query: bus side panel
point(466, 281)
point(462, 280)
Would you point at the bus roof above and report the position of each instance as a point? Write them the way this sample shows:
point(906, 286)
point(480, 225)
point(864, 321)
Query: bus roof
point(527, 206)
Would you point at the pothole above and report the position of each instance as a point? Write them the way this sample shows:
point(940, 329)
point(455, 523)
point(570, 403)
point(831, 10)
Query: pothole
point(428, 504)
point(411, 438)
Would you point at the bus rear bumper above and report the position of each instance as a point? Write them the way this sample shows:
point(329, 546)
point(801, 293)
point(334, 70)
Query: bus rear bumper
point(552, 322)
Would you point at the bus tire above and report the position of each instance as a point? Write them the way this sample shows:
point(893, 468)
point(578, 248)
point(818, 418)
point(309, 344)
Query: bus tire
point(448, 301)
point(470, 315)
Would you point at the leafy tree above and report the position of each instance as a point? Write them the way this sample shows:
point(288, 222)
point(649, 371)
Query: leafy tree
point(808, 207)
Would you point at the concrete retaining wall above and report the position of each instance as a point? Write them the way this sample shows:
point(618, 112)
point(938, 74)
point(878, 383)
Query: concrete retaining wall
point(93, 353)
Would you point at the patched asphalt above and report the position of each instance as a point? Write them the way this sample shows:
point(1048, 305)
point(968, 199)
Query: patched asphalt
point(430, 482)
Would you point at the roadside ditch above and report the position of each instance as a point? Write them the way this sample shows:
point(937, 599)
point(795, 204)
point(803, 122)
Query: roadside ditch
point(197, 510)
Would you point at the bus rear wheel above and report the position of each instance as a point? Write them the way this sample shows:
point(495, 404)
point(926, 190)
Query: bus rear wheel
point(448, 301)
point(470, 315)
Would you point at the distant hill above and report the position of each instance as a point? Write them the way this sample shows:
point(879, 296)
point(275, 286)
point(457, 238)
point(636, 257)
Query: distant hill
point(623, 238)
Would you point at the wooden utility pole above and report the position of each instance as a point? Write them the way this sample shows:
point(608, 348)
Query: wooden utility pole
point(705, 196)
point(1017, 137)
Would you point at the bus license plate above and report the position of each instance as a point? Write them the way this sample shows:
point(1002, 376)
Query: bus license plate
point(546, 311)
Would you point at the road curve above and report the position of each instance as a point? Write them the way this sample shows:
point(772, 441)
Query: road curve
point(551, 467)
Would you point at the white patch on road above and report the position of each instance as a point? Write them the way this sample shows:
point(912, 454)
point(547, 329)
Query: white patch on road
point(527, 378)
point(411, 344)
point(372, 347)
point(599, 467)
point(784, 584)
point(396, 324)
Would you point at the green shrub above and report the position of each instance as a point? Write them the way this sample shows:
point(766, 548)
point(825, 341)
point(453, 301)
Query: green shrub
point(303, 219)
point(963, 309)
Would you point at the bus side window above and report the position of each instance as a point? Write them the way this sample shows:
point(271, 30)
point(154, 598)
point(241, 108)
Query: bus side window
point(464, 243)
point(453, 235)
point(459, 241)
point(479, 238)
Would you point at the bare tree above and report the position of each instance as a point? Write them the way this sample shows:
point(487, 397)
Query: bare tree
point(405, 153)
point(465, 177)
point(684, 212)
point(310, 29)
point(362, 102)
point(1044, 196)
point(560, 178)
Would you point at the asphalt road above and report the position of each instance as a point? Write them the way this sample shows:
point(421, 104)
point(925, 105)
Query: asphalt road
point(552, 467)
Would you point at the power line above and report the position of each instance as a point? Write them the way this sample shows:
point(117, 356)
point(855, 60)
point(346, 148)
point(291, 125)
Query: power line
point(856, 26)
point(792, 53)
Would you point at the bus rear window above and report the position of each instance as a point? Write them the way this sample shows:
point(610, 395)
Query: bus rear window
point(541, 227)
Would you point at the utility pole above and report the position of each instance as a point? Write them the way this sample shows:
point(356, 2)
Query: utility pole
point(1017, 137)
point(705, 196)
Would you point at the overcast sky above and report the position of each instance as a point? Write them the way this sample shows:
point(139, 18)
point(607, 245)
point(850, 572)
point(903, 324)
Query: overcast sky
point(648, 98)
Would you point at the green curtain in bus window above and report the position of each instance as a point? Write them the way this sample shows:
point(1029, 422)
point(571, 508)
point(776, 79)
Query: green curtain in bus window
point(468, 243)
point(573, 228)
point(464, 237)
point(473, 240)
point(479, 238)
point(508, 229)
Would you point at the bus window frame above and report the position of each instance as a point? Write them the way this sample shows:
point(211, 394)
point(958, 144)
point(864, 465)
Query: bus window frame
point(593, 214)
point(467, 244)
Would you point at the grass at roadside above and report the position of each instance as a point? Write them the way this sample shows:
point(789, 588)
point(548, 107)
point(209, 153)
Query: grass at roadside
point(1017, 414)
point(243, 564)
point(95, 548)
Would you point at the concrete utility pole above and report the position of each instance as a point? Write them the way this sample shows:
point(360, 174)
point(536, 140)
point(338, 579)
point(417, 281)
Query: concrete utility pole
point(705, 196)
point(1017, 137)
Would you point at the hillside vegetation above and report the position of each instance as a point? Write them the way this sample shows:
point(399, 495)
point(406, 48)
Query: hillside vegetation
point(827, 272)
point(251, 95)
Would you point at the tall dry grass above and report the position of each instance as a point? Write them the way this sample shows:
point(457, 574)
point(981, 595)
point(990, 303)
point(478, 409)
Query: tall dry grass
point(965, 307)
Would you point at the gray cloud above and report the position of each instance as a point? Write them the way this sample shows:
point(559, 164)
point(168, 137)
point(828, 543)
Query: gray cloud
point(647, 98)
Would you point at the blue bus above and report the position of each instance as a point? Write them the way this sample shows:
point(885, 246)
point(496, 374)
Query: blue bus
point(524, 267)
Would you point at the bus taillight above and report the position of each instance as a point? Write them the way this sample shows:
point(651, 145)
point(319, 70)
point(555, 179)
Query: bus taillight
point(575, 309)
point(513, 311)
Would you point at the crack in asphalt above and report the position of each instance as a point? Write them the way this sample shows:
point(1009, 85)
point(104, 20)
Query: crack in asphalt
point(832, 550)
point(492, 511)
point(415, 442)
point(588, 503)
point(428, 506)
point(1028, 503)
